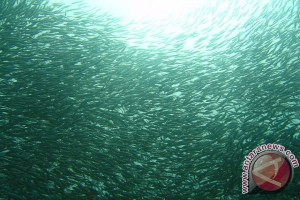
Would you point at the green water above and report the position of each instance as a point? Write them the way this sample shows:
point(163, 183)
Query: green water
point(94, 106)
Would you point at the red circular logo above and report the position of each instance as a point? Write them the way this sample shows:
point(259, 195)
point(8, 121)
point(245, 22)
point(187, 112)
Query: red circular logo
point(271, 172)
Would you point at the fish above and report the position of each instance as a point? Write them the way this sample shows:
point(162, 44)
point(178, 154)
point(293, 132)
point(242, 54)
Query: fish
point(93, 106)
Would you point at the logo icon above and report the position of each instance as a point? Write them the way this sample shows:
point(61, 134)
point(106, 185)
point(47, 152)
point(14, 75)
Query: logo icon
point(268, 168)
point(271, 171)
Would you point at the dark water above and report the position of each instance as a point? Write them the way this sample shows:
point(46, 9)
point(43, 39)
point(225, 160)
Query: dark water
point(90, 109)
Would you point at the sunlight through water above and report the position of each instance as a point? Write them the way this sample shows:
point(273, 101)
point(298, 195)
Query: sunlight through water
point(158, 24)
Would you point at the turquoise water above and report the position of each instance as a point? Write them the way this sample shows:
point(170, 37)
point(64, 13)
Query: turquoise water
point(98, 106)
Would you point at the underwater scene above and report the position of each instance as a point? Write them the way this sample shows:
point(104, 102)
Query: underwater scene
point(145, 99)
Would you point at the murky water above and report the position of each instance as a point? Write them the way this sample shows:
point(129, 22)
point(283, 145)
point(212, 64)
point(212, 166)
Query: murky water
point(95, 106)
